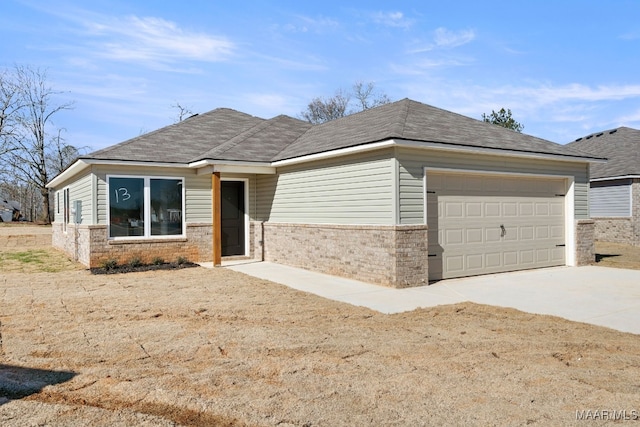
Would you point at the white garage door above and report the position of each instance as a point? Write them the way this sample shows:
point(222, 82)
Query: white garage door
point(480, 224)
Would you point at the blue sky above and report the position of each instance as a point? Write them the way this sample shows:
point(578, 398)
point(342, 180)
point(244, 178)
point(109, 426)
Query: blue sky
point(564, 68)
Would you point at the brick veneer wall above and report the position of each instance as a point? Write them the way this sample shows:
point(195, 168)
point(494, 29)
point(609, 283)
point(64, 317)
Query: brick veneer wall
point(622, 230)
point(393, 256)
point(585, 238)
point(616, 230)
point(88, 244)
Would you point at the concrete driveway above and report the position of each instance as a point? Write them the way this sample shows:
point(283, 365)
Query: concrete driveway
point(598, 295)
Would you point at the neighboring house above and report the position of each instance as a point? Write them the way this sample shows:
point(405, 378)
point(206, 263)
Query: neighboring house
point(395, 195)
point(9, 210)
point(614, 197)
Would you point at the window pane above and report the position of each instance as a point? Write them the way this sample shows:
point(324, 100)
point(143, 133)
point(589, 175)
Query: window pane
point(166, 207)
point(126, 207)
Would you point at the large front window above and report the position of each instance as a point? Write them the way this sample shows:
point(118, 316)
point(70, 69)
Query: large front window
point(145, 206)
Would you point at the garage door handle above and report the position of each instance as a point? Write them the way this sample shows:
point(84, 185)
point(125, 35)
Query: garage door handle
point(503, 231)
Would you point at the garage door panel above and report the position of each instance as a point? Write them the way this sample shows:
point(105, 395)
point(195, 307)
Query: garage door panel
point(526, 233)
point(492, 209)
point(542, 209)
point(509, 209)
point(474, 235)
point(474, 262)
point(453, 236)
point(471, 213)
point(473, 209)
point(527, 257)
point(454, 264)
point(557, 254)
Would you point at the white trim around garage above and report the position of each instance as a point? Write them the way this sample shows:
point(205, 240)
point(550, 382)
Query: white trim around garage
point(569, 199)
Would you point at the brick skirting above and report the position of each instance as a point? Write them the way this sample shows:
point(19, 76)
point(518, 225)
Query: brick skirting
point(615, 230)
point(393, 256)
point(88, 244)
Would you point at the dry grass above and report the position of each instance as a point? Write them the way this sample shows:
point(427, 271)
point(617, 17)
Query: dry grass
point(617, 255)
point(215, 347)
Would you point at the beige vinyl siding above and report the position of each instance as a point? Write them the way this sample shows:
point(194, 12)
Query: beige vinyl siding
point(197, 189)
point(350, 190)
point(411, 176)
point(81, 190)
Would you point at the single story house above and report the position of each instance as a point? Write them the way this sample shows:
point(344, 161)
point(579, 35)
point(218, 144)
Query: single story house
point(396, 195)
point(614, 197)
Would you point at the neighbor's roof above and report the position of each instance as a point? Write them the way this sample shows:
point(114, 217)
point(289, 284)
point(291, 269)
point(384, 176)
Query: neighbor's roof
point(225, 134)
point(620, 146)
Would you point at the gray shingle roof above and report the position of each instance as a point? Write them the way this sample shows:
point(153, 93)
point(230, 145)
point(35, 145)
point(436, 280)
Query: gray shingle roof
point(225, 134)
point(620, 146)
point(411, 120)
point(183, 141)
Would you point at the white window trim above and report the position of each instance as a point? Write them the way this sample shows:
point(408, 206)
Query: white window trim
point(147, 208)
point(246, 211)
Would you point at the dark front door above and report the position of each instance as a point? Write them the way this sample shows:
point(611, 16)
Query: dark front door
point(232, 218)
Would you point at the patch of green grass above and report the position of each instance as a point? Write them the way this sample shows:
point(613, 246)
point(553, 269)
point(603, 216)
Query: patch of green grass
point(35, 261)
point(34, 256)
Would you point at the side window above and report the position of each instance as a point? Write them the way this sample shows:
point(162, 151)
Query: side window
point(166, 207)
point(126, 207)
point(145, 206)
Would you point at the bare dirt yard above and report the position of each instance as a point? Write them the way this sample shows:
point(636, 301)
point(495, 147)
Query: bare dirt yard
point(198, 347)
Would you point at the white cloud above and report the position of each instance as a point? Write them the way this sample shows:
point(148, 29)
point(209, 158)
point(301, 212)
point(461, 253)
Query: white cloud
point(153, 40)
point(392, 19)
point(306, 24)
point(444, 38)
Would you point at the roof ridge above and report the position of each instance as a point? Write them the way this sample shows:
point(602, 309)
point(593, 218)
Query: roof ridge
point(311, 126)
point(406, 115)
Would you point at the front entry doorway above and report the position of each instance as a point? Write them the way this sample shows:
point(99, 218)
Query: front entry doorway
point(232, 218)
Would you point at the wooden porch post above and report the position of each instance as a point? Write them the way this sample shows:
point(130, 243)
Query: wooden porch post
point(217, 223)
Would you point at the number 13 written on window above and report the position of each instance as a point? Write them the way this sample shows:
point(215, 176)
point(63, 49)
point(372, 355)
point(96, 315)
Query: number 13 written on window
point(122, 194)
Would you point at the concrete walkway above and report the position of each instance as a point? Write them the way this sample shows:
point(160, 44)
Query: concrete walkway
point(598, 295)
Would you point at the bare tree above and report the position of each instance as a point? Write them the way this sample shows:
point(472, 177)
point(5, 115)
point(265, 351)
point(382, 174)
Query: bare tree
point(368, 97)
point(9, 107)
point(61, 154)
point(321, 110)
point(183, 112)
point(32, 147)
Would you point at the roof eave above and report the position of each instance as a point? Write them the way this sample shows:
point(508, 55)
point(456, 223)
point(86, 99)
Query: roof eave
point(83, 163)
point(394, 142)
point(612, 178)
point(75, 168)
point(208, 166)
